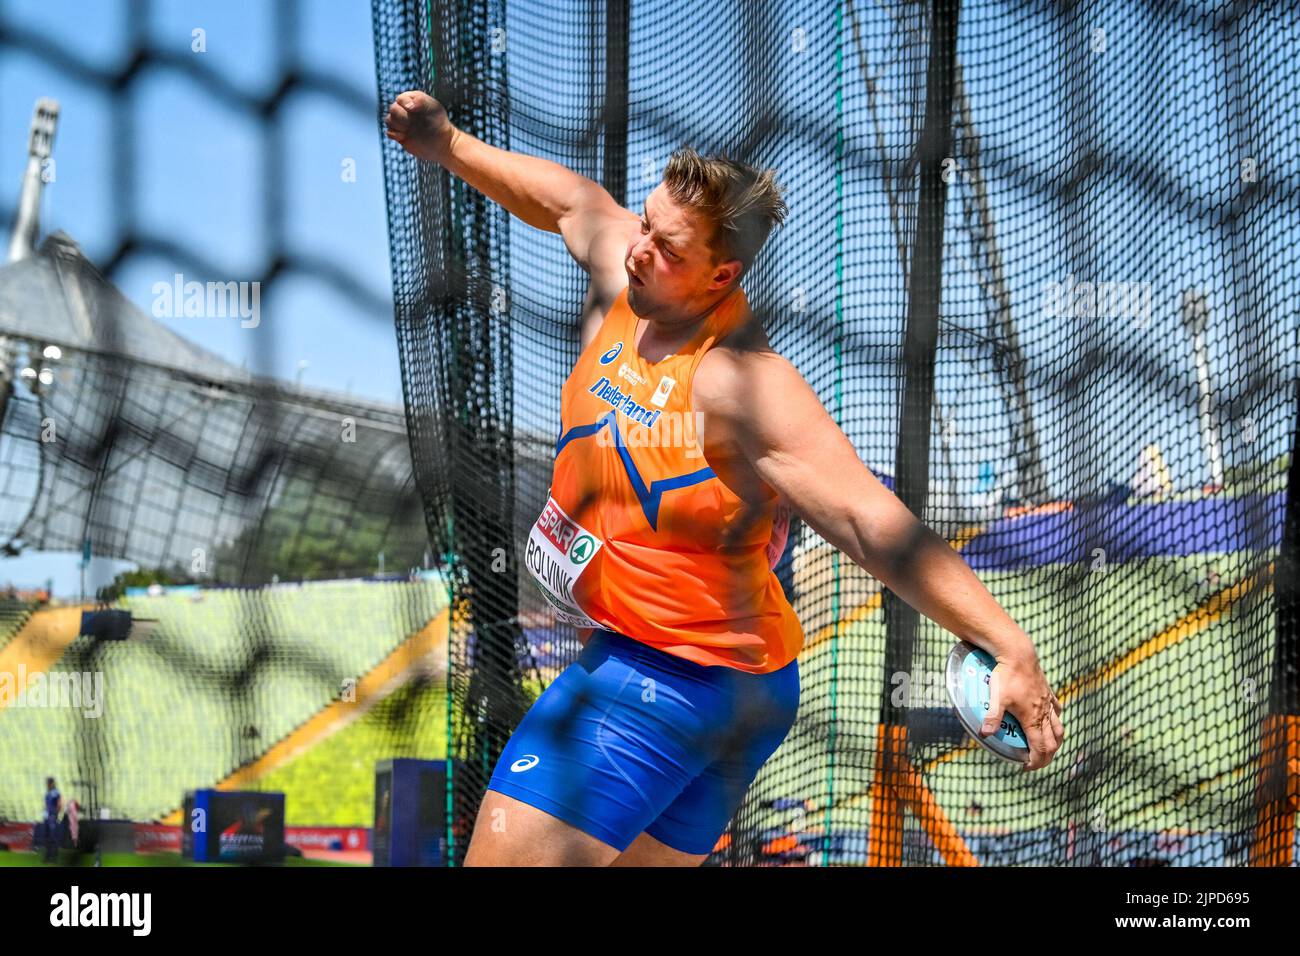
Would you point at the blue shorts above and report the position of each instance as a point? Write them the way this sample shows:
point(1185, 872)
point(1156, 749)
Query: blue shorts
point(630, 739)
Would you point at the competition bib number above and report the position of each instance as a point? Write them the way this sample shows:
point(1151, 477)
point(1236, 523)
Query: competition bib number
point(559, 551)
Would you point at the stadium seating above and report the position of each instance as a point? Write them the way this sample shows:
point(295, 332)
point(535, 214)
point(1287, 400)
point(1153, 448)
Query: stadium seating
point(222, 677)
point(13, 615)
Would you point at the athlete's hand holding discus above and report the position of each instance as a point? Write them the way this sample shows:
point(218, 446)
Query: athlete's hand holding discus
point(759, 403)
point(1019, 686)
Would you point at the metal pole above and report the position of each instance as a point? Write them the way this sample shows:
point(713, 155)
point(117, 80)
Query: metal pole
point(1196, 314)
point(614, 168)
point(912, 461)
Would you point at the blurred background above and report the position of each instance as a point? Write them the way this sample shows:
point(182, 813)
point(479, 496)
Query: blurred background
point(231, 464)
point(222, 142)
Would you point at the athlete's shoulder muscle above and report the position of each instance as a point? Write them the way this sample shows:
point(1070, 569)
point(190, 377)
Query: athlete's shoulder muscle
point(777, 422)
point(762, 404)
point(736, 380)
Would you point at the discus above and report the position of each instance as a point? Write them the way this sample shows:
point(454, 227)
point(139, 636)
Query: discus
point(969, 671)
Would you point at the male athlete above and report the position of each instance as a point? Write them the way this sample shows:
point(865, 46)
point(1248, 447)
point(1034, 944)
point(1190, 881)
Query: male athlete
point(658, 538)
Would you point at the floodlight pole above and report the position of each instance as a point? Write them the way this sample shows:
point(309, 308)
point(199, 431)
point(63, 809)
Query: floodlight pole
point(27, 224)
point(1196, 314)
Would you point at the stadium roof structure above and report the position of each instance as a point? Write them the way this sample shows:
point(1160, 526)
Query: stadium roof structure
point(138, 444)
point(58, 297)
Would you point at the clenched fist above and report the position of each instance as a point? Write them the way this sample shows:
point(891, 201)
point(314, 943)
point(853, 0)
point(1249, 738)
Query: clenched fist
point(420, 124)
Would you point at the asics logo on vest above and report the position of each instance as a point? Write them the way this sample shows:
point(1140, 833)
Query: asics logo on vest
point(526, 762)
point(611, 354)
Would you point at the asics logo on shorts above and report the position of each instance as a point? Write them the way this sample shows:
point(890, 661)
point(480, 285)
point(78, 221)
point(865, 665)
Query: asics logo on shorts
point(526, 762)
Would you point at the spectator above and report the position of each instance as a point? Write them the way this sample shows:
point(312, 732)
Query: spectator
point(53, 804)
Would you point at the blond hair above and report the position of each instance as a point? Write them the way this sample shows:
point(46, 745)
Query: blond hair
point(742, 202)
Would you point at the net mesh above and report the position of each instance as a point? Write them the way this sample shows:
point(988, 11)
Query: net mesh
point(147, 446)
point(1038, 269)
point(143, 447)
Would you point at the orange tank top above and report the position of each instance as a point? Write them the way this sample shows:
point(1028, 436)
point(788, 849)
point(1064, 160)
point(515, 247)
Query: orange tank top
point(638, 535)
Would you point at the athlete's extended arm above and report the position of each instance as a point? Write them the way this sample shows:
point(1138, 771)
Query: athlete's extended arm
point(778, 423)
point(542, 193)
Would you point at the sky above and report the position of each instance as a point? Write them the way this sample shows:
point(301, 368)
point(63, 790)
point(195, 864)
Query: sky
point(199, 181)
point(200, 178)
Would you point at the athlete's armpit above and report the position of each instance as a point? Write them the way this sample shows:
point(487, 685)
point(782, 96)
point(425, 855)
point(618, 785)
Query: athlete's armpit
point(596, 230)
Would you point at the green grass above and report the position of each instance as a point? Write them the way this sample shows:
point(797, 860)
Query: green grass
point(333, 783)
point(187, 704)
point(14, 614)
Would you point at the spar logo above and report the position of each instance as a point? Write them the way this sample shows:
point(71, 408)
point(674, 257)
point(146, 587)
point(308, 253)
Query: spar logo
point(582, 549)
point(568, 537)
point(611, 354)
